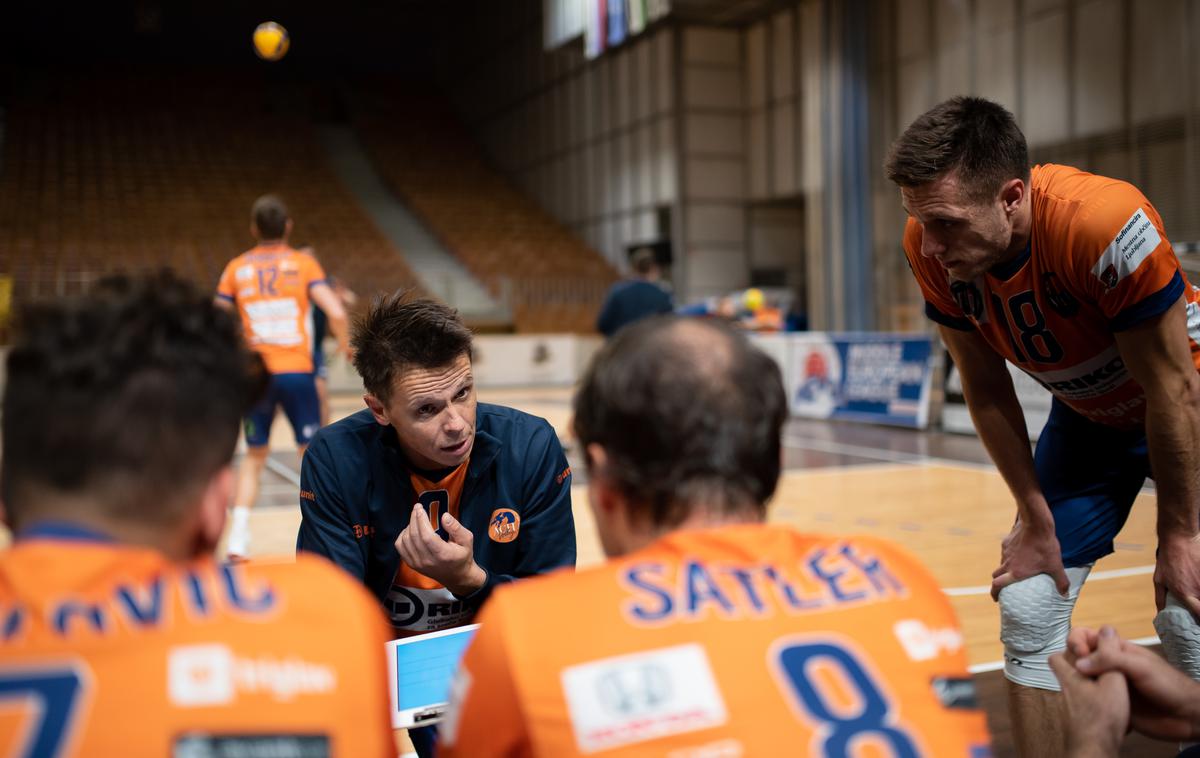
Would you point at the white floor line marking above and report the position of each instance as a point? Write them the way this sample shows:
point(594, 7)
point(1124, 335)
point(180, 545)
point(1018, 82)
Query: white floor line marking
point(283, 471)
point(879, 454)
point(1095, 576)
point(882, 467)
point(983, 668)
point(895, 456)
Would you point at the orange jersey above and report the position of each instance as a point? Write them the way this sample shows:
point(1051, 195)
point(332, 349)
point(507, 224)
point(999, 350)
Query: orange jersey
point(1098, 262)
point(739, 640)
point(113, 650)
point(420, 604)
point(270, 286)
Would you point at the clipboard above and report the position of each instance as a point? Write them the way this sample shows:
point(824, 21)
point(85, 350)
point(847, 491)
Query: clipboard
point(420, 671)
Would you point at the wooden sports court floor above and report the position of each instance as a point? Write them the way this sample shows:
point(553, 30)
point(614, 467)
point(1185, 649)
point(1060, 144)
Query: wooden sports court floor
point(935, 493)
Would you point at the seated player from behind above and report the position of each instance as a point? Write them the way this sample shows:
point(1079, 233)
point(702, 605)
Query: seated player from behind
point(710, 633)
point(119, 633)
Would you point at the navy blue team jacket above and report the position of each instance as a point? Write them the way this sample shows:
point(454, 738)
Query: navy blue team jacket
point(356, 497)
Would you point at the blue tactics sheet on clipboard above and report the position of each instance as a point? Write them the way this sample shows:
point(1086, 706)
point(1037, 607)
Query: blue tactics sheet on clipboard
point(421, 669)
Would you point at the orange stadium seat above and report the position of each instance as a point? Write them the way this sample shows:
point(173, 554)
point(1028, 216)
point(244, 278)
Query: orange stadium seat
point(553, 280)
point(132, 171)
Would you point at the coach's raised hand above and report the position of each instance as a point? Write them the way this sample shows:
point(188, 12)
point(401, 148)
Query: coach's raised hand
point(450, 562)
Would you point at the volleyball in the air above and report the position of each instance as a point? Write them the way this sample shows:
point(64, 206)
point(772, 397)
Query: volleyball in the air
point(271, 41)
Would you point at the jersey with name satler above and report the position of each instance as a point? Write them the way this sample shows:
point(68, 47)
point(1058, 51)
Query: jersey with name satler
point(739, 640)
point(114, 651)
point(1098, 262)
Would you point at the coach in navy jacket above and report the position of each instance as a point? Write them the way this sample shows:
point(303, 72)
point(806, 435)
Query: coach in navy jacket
point(427, 497)
point(357, 495)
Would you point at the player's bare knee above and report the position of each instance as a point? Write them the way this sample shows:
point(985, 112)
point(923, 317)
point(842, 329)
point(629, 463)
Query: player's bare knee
point(1180, 635)
point(1034, 622)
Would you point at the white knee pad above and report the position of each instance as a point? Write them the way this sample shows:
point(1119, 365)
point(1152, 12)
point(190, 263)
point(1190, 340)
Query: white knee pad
point(1034, 622)
point(1180, 635)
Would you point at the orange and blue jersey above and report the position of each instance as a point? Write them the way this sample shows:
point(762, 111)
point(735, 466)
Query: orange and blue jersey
point(1098, 262)
point(109, 649)
point(737, 640)
point(513, 494)
point(270, 286)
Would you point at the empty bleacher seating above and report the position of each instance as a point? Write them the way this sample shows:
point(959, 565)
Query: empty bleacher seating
point(130, 170)
point(551, 278)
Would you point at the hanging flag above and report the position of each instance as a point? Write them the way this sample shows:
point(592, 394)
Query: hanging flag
point(637, 16)
point(593, 29)
point(616, 22)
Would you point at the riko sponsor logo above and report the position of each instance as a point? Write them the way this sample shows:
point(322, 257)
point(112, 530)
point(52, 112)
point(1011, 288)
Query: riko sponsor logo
point(1092, 378)
point(419, 610)
point(211, 674)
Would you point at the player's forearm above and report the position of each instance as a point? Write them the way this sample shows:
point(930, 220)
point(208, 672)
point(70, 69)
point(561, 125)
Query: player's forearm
point(1000, 423)
point(1173, 437)
point(340, 329)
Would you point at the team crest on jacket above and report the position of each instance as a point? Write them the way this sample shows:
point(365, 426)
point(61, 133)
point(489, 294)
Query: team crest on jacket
point(1057, 297)
point(504, 525)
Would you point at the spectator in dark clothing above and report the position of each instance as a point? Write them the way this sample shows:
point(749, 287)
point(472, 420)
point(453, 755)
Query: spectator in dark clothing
point(635, 298)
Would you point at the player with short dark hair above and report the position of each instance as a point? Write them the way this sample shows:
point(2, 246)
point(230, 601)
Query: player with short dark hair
point(271, 218)
point(976, 137)
point(119, 633)
point(402, 333)
point(1070, 277)
point(640, 296)
point(709, 632)
point(274, 288)
point(426, 496)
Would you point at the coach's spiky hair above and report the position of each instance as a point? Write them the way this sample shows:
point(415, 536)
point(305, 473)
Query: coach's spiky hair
point(400, 332)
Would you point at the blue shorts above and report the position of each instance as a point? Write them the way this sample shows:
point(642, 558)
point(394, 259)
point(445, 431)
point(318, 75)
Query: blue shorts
point(297, 393)
point(1090, 474)
point(320, 370)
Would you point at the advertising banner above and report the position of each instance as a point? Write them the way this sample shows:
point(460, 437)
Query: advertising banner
point(878, 378)
point(1034, 398)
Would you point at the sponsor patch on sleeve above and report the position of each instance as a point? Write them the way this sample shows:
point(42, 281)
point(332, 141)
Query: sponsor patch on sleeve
point(1132, 245)
point(633, 698)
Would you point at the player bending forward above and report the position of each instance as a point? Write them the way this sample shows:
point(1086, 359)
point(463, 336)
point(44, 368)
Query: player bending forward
point(1070, 277)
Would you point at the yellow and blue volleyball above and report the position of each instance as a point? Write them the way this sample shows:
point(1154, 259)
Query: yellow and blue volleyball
point(753, 300)
point(271, 41)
